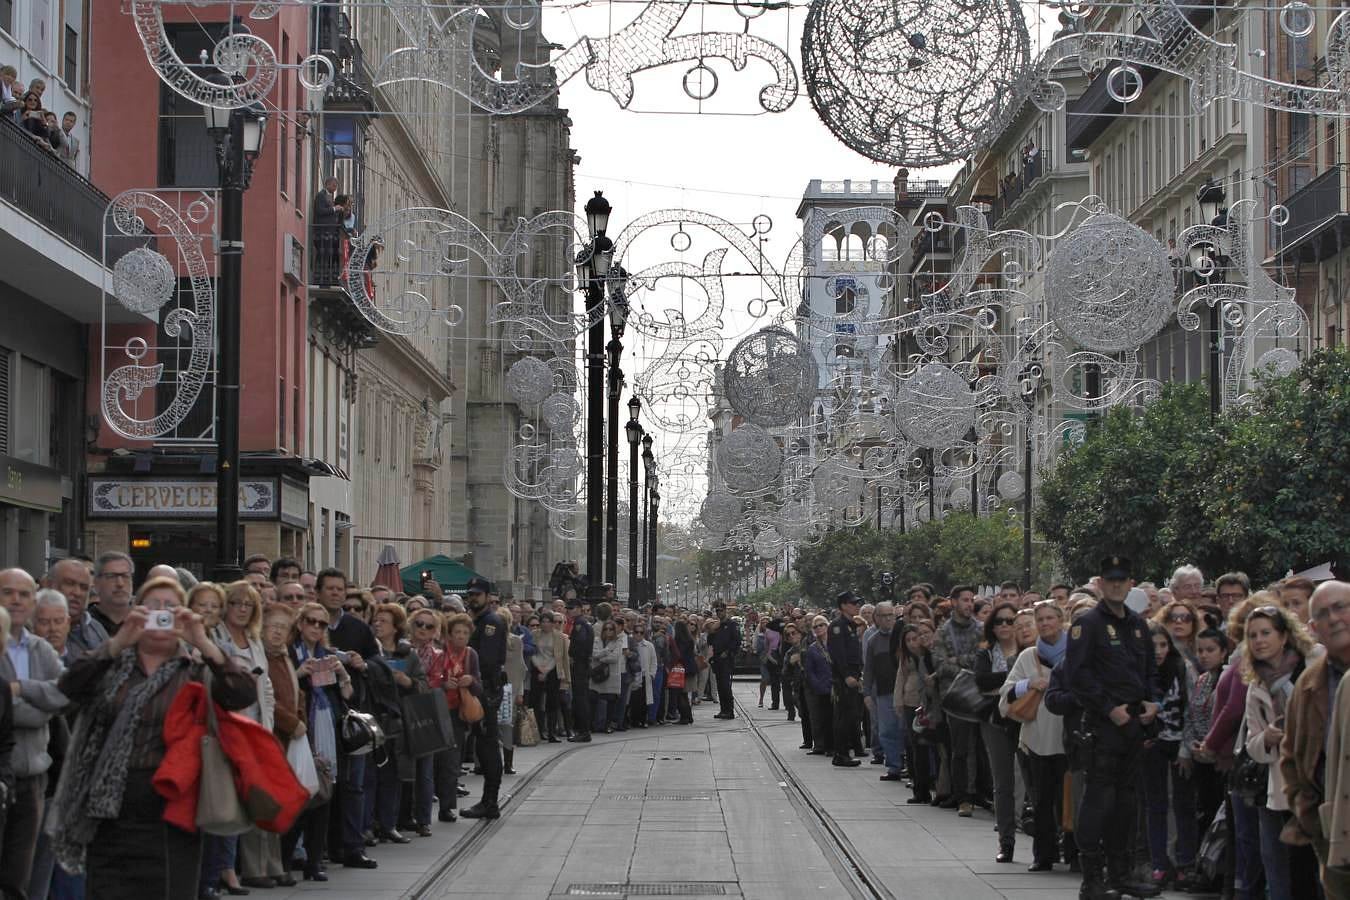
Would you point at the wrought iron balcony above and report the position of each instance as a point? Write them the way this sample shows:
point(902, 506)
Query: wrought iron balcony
point(352, 86)
point(1313, 208)
point(45, 188)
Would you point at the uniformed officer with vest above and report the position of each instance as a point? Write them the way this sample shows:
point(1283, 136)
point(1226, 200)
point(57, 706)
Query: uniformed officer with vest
point(846, 665)
point(1109, 668)
point(489, 642)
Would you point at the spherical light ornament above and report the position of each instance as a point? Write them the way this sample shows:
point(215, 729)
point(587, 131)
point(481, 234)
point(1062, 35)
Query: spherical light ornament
point(913, 82)
point(959, 497)
point(770, 378)
point(835, 485)
point(794, 520)
point(721, 511)
point(1279, 362)
point(1011, 486)
point(144, 281)
point(768, 543)
point(529, 381)
point(935, 407)
point(1109, 285)
point(749, 459)
point(560, 411)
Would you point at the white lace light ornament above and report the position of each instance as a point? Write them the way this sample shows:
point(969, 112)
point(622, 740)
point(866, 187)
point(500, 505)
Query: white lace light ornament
point(529, 380)
point(143, 281)
point(935, 407)
point(1108, 285)
point(749, 459)
point(770, 378)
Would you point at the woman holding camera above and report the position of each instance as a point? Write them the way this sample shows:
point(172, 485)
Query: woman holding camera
point(107, 819)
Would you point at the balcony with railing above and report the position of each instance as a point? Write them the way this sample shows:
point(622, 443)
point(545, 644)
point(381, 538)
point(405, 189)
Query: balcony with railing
point(52, 231)
point(352, 87)
point(1318, 219)
point(329, 255)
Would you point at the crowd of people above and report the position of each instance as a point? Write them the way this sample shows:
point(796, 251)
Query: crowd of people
point(1186, 737)
point(25, 109)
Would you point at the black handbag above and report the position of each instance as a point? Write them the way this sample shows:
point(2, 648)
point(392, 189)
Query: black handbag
point(963, 699)
point(426, 724)
point(361, 734)
point(1249, 779)
point(600, 672)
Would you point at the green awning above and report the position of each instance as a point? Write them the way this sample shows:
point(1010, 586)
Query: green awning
point(450, 574)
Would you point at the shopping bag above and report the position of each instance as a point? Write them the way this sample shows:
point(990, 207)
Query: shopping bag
point(219, 811)
point(301, 758)
point(529, 729)
point(676, 678)
point(426, 724)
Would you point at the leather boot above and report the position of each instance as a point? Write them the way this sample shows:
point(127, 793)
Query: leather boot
point(1124, 882)
point(1094, 879)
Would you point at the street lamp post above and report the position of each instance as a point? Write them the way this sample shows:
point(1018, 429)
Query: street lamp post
point(633, 431)
point(649, 483)
point(238, 134)
point(1208, 263)
point(654, 525)
point(592, 270)
point(618, 317)
point(1030, 382)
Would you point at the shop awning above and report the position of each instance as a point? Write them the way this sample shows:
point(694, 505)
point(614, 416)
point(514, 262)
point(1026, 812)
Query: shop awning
point(450, 574)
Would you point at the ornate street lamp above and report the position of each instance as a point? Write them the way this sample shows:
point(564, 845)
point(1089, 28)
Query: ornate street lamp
point(239, 136)
point(649, 484)
point(617, 283)
point(593, 264)
point(1210, 264)
point(633, 431)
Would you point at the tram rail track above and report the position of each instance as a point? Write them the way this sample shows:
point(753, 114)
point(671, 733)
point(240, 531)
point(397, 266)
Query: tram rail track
point(849, 864)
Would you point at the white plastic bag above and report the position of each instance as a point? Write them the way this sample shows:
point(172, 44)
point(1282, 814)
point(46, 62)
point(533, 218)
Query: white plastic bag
point(506, 712)
point(301, 759)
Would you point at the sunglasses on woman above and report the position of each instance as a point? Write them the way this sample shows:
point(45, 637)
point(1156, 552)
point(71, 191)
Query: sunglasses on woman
point(310, 620)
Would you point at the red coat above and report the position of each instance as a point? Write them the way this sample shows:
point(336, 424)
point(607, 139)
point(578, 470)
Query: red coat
point(267, 787)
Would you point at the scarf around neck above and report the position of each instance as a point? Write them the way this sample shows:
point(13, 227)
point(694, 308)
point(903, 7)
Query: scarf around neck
point(92, 784)
point(1053, 653)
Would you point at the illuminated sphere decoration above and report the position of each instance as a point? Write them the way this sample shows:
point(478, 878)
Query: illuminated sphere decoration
point(770, 378)
point(913, 82)
point(144, 281)
point(768, 543)
point(529, 381)
point(1109, 285)
point(720, 512)
point(749, 459)
point(935, 407)
point(1011, 486)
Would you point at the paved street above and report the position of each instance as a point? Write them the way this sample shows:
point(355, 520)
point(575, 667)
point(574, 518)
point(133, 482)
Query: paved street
point(705, 809)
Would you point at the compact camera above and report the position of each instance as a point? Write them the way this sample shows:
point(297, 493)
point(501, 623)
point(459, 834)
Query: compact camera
point(160, 620)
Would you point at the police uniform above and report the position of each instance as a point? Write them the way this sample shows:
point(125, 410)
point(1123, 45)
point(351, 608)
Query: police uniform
point(725, 643)
point(1109, 663)
point(845, 662)
point(489, 642)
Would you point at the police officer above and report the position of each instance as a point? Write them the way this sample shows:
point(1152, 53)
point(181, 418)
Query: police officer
point(580, 648)
point(846, 665)
point(489, 642)
point(725, 641)
point(1109, 667)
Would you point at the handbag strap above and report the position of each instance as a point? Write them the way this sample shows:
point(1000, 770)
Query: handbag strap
point(212, 724)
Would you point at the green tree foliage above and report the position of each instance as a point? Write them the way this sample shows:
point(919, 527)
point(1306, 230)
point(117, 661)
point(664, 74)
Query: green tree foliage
point(1104, 496)
point(960, 548)
point(1262, 490)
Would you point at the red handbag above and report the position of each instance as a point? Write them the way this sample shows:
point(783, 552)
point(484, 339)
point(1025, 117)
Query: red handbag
point(677, 677)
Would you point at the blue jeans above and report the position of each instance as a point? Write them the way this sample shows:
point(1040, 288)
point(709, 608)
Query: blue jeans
point(1274, 855)
point(658, 686)
point(66, 886)
point(1158, 770)
point(891, 736)
point(352, 792)
point(603, 704)
point(1246, 847)
point(617, 716)
point(218, 854)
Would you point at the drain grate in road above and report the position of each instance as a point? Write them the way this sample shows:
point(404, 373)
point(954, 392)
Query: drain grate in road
point(666, 796)
point(649, 889)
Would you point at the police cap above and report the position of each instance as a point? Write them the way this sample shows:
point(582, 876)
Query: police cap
point(1115, 568)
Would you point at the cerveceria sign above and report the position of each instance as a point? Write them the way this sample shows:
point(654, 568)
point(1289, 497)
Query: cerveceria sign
point(176, 498)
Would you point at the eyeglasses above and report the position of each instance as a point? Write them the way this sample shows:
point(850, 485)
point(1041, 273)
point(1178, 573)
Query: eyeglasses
point(1003, 621)
point(310, 620)
point(1181, 617)
point(1339, 608)
point(424, 625)
point(353, 607)
point(240, 604)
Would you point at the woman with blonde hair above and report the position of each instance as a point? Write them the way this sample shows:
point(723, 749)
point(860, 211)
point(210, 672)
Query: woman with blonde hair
point(239, 635)
point(207, 599)
point(1276, 651)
